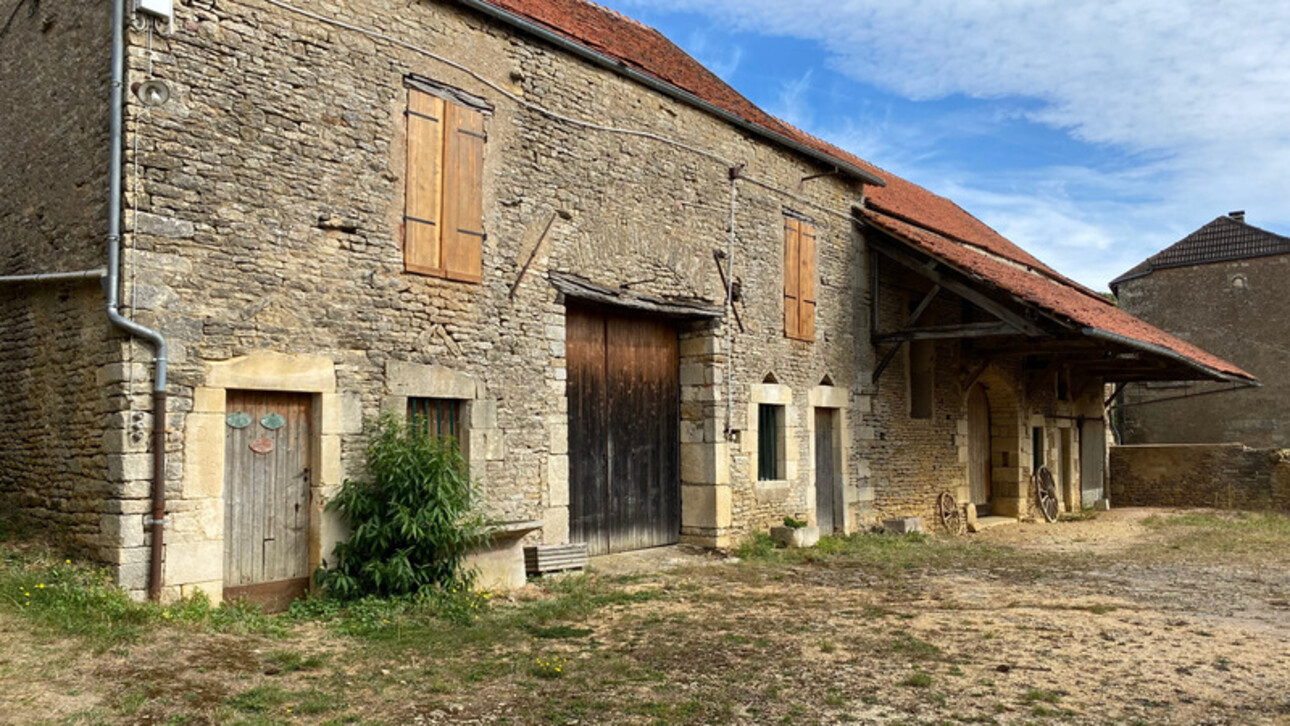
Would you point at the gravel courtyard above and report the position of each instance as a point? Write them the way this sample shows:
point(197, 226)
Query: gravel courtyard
point(1132, 616)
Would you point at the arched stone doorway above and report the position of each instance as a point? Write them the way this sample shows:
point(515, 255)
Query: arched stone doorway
point(996, 439)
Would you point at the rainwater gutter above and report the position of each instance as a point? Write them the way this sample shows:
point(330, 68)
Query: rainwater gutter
point(55, 276)
point(111, 289)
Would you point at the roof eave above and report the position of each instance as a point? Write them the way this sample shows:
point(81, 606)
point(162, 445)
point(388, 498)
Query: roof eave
point(668, 89)
point(1159, 350)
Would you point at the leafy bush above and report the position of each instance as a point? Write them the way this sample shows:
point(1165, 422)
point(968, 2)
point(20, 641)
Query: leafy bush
point(793, 523)
point(411, 516)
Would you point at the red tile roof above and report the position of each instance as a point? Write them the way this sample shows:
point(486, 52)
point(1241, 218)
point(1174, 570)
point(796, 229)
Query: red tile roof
point(1053, 296)
point(917, 213)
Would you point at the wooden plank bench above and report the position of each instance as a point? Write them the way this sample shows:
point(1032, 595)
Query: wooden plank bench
point(547, 559)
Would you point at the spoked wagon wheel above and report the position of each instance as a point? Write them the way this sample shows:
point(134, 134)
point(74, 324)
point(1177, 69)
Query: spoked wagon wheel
point(951, 515)
point(1046, 489)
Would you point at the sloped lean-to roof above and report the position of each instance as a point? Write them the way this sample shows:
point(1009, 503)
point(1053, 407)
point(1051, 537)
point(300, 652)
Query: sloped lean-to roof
point(1088, 313)
point(900, 207)
point(1222, 240)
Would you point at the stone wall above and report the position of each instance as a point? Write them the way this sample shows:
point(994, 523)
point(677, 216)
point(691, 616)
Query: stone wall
point(304, 121)
point(913, 460)
point(264, 240)
point(1227, 309)
point(1225, 476)
point(57, 378)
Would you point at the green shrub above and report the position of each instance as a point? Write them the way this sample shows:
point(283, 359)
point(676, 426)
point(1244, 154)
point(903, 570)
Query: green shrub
point(793, 523)
point(411, 517)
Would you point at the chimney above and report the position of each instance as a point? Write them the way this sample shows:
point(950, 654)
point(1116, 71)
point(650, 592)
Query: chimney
point(1238, 215)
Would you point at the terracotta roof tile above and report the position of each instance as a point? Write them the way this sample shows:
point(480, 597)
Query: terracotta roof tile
point(911, 211)
point(1053, 296)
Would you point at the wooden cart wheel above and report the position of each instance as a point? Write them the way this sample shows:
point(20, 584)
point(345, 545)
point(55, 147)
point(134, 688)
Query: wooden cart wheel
point(951, 515)
point(1046, 490)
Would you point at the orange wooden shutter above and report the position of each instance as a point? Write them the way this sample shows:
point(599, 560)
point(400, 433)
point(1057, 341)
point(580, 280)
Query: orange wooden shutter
point(463, 204)
point(792, 272)
point(806, 282)
point(423, 195)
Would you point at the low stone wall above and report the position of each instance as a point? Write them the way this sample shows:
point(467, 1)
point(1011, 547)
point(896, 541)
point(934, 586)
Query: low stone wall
point(1226, 476)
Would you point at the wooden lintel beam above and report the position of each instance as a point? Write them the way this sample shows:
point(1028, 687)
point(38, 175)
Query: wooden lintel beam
point(947, 332)
point(963, 290)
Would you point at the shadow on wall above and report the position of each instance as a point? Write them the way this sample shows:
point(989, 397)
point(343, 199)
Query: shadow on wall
point(1223, 476)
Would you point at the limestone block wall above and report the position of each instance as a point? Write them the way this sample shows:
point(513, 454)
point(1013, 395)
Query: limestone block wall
point(1226, 476)
point(270, 202)
point(912, 460)
point(60, 365)
point(58, 383)
point(1228, 309)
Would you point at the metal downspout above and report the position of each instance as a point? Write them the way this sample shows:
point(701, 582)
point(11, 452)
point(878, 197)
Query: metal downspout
point(111, 289)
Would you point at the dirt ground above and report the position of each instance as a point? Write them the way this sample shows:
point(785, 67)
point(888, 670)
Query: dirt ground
point(1135, 616)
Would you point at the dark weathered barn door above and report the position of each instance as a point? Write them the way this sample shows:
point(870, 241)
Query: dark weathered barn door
point(979, 448)
point(266, 496)
point(1092, 453)
point(826, 472)
point(624, 431)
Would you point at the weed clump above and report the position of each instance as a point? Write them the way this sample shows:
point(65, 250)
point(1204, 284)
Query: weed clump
point(412, 518)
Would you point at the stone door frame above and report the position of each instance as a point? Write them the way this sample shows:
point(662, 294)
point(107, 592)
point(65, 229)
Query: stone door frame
point(197, 562)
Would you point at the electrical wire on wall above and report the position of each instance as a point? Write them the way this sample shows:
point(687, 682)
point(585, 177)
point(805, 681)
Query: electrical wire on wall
point(556, 115)
point(737, 171)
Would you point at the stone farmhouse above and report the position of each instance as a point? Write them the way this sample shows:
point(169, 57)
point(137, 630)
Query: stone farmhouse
point(1221, 287)
point(649, 311)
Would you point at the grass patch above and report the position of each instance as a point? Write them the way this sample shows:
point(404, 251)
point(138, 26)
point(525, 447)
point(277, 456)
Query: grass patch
point(260, 699)
point(1040, 695)
point(1221, 535)
point(913, 648)
point(918, 679)
point(289, 661)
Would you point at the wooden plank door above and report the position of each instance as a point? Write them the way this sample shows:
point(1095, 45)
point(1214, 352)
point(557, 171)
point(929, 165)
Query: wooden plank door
point(979, 448)
point(826, 472)
point(1092, 456)
point(624, 431)
point(266, 496)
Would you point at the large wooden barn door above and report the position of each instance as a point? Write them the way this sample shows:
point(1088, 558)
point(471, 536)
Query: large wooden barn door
point(979, 448)
point(266, 497)
point(1092, 453)
point(624, 431)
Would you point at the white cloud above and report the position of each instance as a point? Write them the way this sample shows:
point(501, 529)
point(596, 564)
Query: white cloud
point(720, 59)
point(1201, 88)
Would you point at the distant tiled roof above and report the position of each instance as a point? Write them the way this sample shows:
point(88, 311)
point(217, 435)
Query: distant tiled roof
point(913, 212)
point(1222, 240)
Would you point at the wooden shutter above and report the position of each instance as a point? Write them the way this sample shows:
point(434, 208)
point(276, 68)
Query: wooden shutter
point(792, 273)
point(463, 207)
point(806, 282)
point(424, 193)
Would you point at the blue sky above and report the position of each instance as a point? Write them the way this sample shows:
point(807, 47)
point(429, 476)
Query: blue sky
point(1092, 132)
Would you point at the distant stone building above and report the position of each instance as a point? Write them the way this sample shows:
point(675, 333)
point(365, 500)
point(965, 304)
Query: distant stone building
point(648, 310)
point(1223, 288)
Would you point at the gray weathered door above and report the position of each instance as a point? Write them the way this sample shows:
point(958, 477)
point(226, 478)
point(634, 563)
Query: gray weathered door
point(624, 431)
point(266, 496)
point(979, 448)
point(826, 472)
point(1092, 455)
